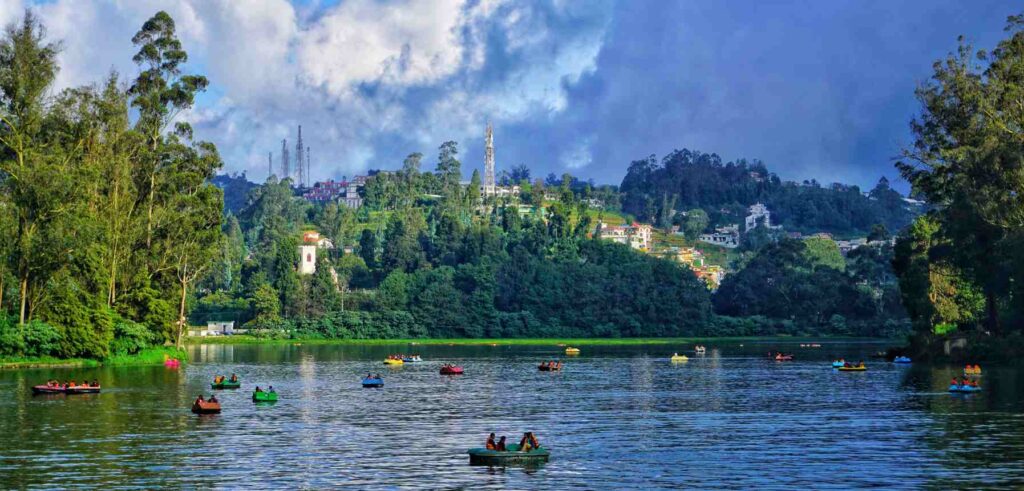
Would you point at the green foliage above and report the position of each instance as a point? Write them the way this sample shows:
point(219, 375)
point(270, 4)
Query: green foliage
point(130, 338)
point(687, 179)
point(822, 252)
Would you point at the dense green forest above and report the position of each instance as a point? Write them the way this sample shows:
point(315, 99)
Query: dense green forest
point(107, 215)
point(687, 180)
point(961, 267)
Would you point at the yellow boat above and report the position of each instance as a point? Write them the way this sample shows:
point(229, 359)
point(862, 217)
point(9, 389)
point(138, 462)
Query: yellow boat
point(393, 361)
point(572, 351)
point(676, 357)
point(859, 368)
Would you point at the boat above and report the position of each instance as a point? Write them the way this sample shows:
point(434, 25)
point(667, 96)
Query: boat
point(226, 384)
point(78, 389)
point(172, 363)
point(901, 359)
point(264, 396)
point(964, 388)
point(676, 357)
point(412, 359)
point(838, 363)
point(373, 383)
point(549, 368)
point(393, 361)
point(205, 407)
point(700, 350)
point(482, 456)
point(782, 357)
point(572, 351)
point(451, 370)
point(858, 368)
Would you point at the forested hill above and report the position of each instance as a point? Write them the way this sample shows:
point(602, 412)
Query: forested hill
point(686, 179)
point(236, 187)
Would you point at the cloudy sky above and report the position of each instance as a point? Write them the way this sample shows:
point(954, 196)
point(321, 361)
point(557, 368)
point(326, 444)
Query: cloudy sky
point(815, 89)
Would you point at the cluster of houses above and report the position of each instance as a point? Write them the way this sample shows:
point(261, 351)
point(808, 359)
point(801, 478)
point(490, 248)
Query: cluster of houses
point(344, 192)
point(712, 274)
point(635, 235)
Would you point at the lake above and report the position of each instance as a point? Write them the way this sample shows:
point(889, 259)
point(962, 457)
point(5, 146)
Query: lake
point(616, 417)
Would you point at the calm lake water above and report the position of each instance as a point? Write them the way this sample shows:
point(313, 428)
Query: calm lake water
point(617, 417)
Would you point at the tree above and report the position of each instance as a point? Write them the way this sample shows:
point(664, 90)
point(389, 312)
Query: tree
point(473, 191)
point(694, 223)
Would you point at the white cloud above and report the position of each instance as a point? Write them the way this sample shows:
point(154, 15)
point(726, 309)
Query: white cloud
point(353, 74)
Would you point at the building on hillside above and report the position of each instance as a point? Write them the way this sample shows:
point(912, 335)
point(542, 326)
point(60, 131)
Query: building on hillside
point(311, 241)
point(712, 275)
point(344, 192)
point(637, 235)
point(313, 237)
point(758, 214)
point(216, 328)
point(728, 236)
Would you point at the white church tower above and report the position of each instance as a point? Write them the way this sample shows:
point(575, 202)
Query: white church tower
point(489, 188)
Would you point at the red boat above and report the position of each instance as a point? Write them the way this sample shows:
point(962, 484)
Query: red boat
point(203, 407)
point(451, 370)
point(60, 389)
point(782, 357)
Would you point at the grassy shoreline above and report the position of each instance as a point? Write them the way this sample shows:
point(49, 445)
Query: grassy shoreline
point(146, 357)
point(244, 339)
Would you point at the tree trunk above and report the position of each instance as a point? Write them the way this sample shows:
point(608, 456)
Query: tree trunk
point(149, 213)
point(181, 313)
point(24, 297)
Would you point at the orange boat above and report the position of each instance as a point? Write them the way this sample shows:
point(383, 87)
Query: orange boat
point(204, 407)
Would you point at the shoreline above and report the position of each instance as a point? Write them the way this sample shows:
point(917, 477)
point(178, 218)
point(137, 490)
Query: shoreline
point(147, 357)
point(245, 339)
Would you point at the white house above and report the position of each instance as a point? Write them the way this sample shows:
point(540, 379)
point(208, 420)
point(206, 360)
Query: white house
point(723, 236)
point(216, 328)
point(637, 235)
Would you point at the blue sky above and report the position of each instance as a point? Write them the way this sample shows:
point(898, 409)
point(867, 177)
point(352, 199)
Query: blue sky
point(814, 89)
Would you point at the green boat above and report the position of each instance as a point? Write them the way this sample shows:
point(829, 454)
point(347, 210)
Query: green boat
point(262, 396)
point(482, 456)
point(227, 384)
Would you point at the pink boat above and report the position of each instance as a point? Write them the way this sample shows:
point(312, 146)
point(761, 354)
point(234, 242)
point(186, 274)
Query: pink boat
point(451, 370)
point(78, 389)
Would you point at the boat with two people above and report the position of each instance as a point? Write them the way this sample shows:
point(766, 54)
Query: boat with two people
point(69, 387)
point(260, 395)
point(394, 360)
point(700, 349)
point(411, 359)
point(572, 351)
point(206, 406)
point(964, 386)
point(373, 381)
point(850, 367)
point(528, 451)
point(220, 382)
point(449, 369)
point(677, 358)
point(901, 359)
point(549, 366)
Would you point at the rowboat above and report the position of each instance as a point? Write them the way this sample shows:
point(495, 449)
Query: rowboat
point(78, 389)
point(227, 384)
point(373, 383)
point(964, 388)
point(572, 351)
point(860, 368)
point(549, 368)
point(204, 407)
point(677, 358)
point(700, 350)
point(263, 396)
point(449, 370)
point(482, 456)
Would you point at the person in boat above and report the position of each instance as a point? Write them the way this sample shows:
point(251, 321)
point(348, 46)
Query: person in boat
point(490, 443)
point(234, 378)
point(258, 389)
point(501, 445)
point(860, 364)
point(95, 383)
point(954, 381)
point(270, 389)
point(524, 443)
point(212, 399)
point(199, 400)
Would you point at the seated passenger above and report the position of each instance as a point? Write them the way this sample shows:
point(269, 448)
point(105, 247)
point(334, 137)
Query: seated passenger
point(258, 389)
point(533, 440)
point(501, 445)
point(212, 399)
point(271, 389)
point(234, 378)
point(524, 443)
point(199, 399)
point(490, 443)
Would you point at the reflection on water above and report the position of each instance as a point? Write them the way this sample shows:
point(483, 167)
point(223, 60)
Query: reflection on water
point(615, 418)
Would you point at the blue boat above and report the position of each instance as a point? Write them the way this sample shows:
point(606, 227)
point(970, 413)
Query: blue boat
point(838, 364)
point(373, 383)
point(963, 388)
point(901, 359)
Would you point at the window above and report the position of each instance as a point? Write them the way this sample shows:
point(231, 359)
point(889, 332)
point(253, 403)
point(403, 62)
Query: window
point(309, 258)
